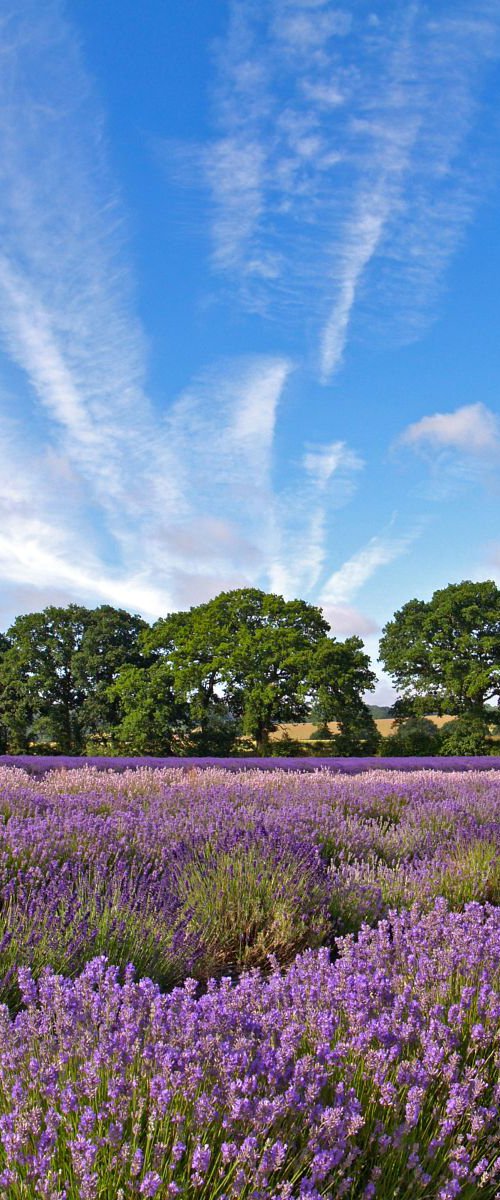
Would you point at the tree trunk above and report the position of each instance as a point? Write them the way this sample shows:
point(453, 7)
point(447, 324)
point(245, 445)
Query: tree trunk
point(262, 740)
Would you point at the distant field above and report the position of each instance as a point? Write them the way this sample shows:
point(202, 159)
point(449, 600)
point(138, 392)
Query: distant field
point(385, 726)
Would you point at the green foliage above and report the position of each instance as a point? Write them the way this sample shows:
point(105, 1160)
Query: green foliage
point(248, 647)
point(358, 734)
point(40, 695)
point(339, 673)
point(467, 735)
point(76, 680)
point(55, 673)
point(110, 640)
point(472, 872)
point(447, 651)
point(150, 719)
point(4, 646)
point(414, 736)
point(218, 735)
point(241, 906)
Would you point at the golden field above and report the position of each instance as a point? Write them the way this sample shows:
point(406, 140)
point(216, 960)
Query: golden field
point(302, 732)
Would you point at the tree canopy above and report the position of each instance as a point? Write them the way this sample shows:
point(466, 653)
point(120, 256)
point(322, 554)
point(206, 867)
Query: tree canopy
point(248, 649)
point(262, 661)
point(444, 654)
point(339, 674)
point(222, 676)
point(148, 717)
point(56, 671)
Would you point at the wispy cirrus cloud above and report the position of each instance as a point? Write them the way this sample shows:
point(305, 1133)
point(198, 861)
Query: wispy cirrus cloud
point(339, 172)
point(221, 433)
point(344, 584)
point(328, 476)
point(241, 521)
point(46, 551)
point(67, 313)
point(103, 496)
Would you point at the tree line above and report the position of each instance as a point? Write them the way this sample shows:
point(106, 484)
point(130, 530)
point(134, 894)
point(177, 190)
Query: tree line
point(219, 678)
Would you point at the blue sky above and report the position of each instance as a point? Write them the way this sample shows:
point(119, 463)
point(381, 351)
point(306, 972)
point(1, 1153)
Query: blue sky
point(249, 306)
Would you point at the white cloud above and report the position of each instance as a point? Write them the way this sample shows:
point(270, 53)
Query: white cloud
point(67, 315)
point(304, 512)
point(304, 33)
point(345, 620)
point(180, 503)
point(339, 172)
point(112, 503)
point(361, 242)
point(321, 462)
point(345, 583)
point(234, 171)
point(220, 433)
point(46, 545)
point(473, 430)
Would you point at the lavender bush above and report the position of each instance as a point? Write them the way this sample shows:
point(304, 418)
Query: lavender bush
point(375, 1076)
point(203, 873)
point(318, 1065)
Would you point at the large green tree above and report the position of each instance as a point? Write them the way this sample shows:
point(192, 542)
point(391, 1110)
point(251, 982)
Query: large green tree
point(444, 654)
point(257, 657)
point(414, 736)
point(149, 719)
point(267, 672)
point(110, 640)
point(192, 644)
point(55, 672)
point(339, 674)
point(246, 650)
point(40, 696)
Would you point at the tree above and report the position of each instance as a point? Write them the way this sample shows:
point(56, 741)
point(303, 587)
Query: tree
point(415, 736)
point(110, 641)
point(446, 652)
point(149, 718)
point(358, 733)
point(246, 649)
point(268, 674)
point(4, 646)
point(265, 661)
point(190, 643)
point(55, 673)
point(468, 735)
point(40, 695)
point(338, 675)
point(219, 735)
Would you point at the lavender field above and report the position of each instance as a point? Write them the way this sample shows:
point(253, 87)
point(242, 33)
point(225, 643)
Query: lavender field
point(251, 984)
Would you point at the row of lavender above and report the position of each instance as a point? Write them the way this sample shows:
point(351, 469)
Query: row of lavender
point(367, 1068)
point(39, 764)
point(201, 873)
